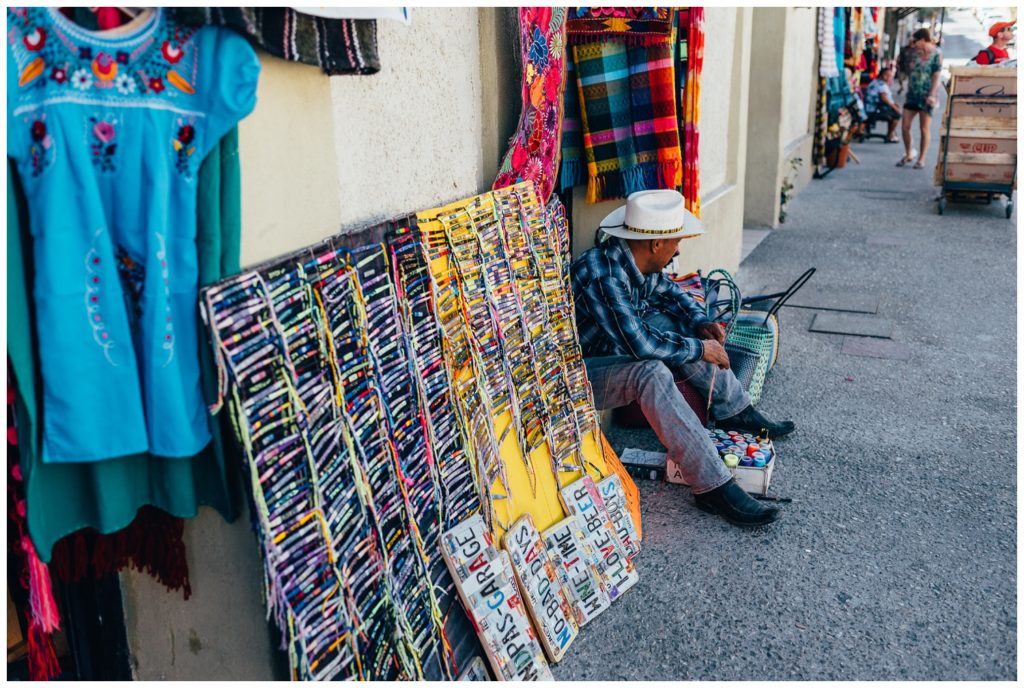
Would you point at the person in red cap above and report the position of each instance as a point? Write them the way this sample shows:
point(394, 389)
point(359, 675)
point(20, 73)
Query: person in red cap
point(1002, 34)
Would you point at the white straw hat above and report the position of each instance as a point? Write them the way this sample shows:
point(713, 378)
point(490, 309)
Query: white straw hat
point(656, 214)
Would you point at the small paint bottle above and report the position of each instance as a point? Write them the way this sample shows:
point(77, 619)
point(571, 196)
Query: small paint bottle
point(759, 460)
point(746, 461)
point(731, 461)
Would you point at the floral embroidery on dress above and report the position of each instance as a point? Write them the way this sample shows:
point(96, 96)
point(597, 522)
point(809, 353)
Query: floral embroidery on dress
point(168, 336)
point(164, 63)
point(93, 303)
point(102, 134)
point(183, 143)
point(81, 79)
point(41, 151)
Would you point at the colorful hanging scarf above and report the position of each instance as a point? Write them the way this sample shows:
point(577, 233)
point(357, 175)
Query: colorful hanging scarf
point(693, 20)
point(534, 150)
point(152, 544)
point(628, 113)
point(820, 121)
point(571, 173)
point(41, 612)
point(839, 34)
point(632, 25)
point(655, 129)
point(338, 46)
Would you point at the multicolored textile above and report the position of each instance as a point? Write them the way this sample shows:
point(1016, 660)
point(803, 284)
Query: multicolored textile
point(827, 66)
point(338, 46)
point(107, 495)
point(534, 149)
point(633, 25)
point(614, 299)
point(41, 612)
point(572, 170)
point(821, 122)
point(839, 35)
point(692, 283)
point(630, 135)
point(94, 125)
point(689, 98)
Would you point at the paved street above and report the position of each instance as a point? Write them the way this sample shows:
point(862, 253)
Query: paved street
point(897, 556)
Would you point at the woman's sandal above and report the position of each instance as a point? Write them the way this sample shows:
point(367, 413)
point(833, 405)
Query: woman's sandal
point(907, 160)
point(919, 165)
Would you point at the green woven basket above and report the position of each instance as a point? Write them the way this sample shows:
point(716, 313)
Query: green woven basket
point(752, 330)
point(757, 332)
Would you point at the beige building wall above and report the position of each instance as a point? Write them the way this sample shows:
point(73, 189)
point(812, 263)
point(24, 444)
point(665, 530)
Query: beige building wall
point(783, 85)
point(722, 149)
point(319, 155)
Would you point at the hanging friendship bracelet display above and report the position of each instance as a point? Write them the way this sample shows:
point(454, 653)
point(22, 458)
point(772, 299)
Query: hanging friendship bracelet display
point(322, 356)
point(386, 387)
point(499, 265)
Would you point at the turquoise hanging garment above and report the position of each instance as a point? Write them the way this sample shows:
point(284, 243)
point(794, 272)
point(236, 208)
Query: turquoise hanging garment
point(105, 495)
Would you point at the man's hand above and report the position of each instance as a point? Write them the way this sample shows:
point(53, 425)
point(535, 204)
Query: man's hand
point(712, 331)
point(714, 353)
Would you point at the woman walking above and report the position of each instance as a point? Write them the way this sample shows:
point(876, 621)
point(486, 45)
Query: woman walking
point(923, 63)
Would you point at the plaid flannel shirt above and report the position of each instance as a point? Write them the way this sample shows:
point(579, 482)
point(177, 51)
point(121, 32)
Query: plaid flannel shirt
point(612, 300)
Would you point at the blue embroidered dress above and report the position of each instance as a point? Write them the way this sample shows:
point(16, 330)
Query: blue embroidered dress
point(107, 133)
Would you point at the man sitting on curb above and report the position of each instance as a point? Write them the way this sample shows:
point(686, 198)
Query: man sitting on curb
point(638, 329)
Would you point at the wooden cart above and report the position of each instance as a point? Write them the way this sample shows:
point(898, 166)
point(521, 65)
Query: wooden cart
point(978, 158)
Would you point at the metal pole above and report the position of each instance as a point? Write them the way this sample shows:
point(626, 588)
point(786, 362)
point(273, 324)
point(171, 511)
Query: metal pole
point(942, 24)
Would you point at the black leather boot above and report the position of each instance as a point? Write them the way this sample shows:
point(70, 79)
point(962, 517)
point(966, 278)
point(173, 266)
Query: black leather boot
point(737, 507)
point(750, 420)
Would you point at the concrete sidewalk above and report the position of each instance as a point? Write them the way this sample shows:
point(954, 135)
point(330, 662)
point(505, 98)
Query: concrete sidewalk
point(897, 556)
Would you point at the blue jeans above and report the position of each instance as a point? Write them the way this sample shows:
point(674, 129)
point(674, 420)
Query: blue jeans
point(621, 380)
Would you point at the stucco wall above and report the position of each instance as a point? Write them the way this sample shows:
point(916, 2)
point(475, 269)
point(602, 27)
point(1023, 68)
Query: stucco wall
point(716, 95)
point(408, 137)
point(800, 65)
point(289, 170)
point(781, 108)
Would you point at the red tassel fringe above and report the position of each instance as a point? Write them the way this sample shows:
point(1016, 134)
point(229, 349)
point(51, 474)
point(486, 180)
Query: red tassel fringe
point(42, 657)
point(152, 543)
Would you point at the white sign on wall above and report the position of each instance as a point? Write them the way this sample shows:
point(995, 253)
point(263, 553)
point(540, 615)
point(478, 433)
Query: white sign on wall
point(542, 588)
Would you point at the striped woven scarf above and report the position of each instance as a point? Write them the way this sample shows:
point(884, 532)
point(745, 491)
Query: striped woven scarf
point(338, 46)
point(634, 25)
point(691, 57)
point(628, 115)
point(571, 173)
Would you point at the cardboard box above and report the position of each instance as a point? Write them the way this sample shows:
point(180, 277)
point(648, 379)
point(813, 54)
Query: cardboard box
point(755, 480)
point(979, 143)
point(979, 172)
point(998, 114)
point(983, 81)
